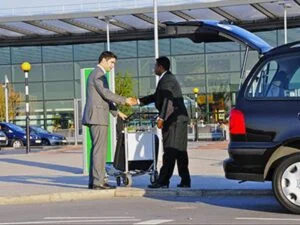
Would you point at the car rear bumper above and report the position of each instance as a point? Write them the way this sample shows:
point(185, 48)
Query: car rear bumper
point(3, 143)
point(247, 160)
point(58, 142)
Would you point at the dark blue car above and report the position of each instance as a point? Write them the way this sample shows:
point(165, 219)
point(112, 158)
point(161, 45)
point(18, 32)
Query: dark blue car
point(47, 137)
point(17, 135)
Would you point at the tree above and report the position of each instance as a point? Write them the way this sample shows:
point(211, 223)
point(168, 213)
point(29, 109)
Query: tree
point(14, 100)
point(124, 86)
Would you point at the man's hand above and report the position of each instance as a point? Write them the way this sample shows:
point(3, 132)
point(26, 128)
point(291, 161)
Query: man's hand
point(160, 123)
point(131, 101)
point(122, 115)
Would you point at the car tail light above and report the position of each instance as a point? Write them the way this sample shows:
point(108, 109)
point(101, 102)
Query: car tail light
point(237, 122)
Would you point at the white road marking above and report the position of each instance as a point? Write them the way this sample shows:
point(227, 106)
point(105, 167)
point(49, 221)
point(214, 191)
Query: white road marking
point(72, 221)
point(154, 222)
point(88, 217)
point(271, 219)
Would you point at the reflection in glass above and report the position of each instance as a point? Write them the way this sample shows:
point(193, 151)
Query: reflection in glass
point(252, 59)
point(146, 67)
point(268, 36)
point(124, 49)
point(292, 35)
point(35, 90)
point(4, 56)
point(223, 62)
point(147, 85)
point(185, 46)
point(81, 65)
point(60, 115)
point(146, 48)
point(188, 64)
point(29, 54)
point(83, 52)
point(128, 66)
point(218, 82)
point(58, 71)
point(59, 90)
point(60, 53)
point(77, 89)
point(189, 82)
point(35, 74)
point(222, 46)
point(5, 70)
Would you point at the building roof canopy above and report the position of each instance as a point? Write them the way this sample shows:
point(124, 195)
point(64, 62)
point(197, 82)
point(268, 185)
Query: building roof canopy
point(134, 19)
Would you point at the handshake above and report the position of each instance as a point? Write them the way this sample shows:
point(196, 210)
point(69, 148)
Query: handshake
point(131, 101)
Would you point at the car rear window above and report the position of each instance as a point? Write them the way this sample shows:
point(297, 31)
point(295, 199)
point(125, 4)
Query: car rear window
point(277, 78)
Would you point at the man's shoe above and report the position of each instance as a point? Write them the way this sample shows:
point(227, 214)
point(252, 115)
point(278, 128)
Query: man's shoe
point(158, 185)
point(183, 185)
point(90, 186)
point(103, 187)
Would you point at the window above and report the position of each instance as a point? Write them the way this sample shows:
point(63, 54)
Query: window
point(262, 80)
point(278, 78)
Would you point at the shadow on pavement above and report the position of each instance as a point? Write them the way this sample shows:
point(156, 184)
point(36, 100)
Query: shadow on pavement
point(252, 203)
point(56, 167)
point(50, 181)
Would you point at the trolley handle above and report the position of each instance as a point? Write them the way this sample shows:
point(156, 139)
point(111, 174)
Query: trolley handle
point(138, 115)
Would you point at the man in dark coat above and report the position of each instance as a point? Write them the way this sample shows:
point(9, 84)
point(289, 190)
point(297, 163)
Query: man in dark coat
point(172, 119)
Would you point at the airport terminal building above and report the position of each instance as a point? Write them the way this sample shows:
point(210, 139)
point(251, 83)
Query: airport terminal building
point(59, 43)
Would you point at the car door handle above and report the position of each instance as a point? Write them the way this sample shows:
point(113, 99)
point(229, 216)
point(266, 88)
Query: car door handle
point(298, 116)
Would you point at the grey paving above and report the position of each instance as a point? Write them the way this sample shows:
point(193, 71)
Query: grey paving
point(56, 174)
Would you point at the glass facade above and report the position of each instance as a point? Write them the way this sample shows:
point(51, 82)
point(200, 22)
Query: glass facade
point(54, 81)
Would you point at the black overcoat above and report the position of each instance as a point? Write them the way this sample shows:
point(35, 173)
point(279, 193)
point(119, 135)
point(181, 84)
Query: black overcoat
point(169, 102)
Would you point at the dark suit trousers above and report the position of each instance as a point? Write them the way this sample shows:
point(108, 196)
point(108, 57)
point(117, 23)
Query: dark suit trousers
point(171, 155)
point(97, 173)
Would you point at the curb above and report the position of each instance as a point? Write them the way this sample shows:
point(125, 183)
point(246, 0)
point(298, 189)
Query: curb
point(130, 192)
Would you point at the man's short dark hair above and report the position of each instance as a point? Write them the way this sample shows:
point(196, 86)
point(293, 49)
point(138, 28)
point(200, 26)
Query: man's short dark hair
point(106, 55)
point(164, 62)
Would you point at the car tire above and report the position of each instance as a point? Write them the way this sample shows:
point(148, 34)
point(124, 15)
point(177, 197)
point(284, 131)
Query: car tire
point(45, 142)
point(17, 143)
point(286, 183)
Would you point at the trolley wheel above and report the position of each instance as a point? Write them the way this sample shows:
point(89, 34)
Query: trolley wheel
point(118, 180)
point(154, 177)
point(127, 180)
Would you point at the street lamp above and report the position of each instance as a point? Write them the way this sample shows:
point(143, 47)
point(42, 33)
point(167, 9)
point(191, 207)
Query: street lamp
point(6, 98)
point(196, 91)
point(285, 5)
point(26, 67)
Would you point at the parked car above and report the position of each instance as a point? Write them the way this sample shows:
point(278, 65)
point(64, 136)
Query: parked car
point(3, 139)
point(47, 137)
point(265, 126)
point(17, 136)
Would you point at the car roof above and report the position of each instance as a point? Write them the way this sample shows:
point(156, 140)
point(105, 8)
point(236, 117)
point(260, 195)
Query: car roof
point(286, 48)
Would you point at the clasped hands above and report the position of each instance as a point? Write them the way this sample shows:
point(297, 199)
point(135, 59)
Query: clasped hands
point(131, 101)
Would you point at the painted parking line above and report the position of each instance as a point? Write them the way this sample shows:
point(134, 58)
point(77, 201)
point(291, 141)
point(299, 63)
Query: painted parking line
point(267, 219)
point(88, 217)
point(77, 220)
point(151, 222)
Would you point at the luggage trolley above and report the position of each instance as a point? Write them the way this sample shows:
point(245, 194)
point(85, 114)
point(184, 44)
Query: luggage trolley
point(137, 149)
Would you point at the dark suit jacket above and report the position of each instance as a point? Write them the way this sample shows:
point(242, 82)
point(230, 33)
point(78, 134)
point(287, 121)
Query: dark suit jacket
point(99, 100)
point(169, 102)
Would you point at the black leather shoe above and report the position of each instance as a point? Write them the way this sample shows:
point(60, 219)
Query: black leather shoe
point(158, 185)
point(103, 187)
point(183, 185)
point(90, 186)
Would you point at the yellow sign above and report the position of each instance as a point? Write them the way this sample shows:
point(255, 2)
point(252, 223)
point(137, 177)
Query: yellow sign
point(202, 99)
